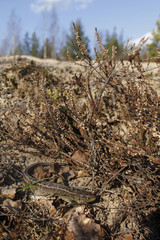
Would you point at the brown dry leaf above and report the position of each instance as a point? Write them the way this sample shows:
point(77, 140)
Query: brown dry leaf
point(128, 237)
point(13, 206)
point(84, 227)
point(69, 235)
point(52, 211)
point(48, 205)
point(82, 173)
point(8, 192)
point(39, 173)
point(80, 156)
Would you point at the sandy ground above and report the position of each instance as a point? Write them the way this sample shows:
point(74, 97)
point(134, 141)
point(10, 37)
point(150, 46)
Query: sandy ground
point(46, 62)
point(151, 67)
point(151, 70)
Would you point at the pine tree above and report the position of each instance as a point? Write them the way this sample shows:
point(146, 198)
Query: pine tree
point(34, 45)
point(114, 40)
point(27, 44)
point(152, 48)
point(71, 43)
point(19, 49)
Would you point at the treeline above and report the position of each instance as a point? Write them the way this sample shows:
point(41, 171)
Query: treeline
point(32, 45)
point(51, 46)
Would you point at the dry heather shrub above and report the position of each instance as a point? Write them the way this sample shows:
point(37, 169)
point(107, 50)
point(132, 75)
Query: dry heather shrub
point(108, 103)
point(109, 100)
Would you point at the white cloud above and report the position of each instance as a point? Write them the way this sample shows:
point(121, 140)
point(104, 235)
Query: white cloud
point(40, 5)
point(82, 4)
point(137, 40)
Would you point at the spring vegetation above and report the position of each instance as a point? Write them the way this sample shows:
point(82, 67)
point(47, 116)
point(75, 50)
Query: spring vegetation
point(108, 113)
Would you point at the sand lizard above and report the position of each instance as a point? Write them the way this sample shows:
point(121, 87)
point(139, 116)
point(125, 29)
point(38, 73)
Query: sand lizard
point(69, 194)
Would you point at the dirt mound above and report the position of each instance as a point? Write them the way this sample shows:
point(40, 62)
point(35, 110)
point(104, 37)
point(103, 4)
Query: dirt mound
point(100, 133)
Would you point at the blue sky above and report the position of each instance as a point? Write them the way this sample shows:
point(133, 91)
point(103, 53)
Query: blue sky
point(133, 18)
